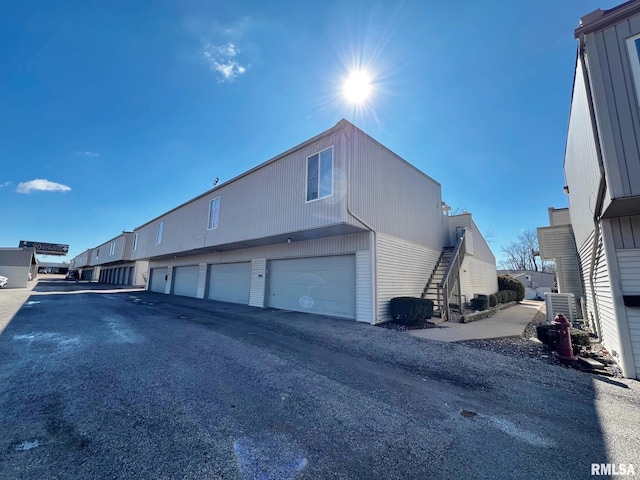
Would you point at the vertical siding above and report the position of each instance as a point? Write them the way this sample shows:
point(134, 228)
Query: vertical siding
point(626, 232)
point(364, 286)
point(558, 244)
point(402, 269)
point(270, 200)
point(629, 267)
point(392, 196)
point(258, 282)
point(581, 161)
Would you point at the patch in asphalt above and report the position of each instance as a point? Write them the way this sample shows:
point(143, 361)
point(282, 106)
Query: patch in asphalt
point(269, 455)
point(26, 445)
point(515, 431)
point(468, 414)
point(63, 342)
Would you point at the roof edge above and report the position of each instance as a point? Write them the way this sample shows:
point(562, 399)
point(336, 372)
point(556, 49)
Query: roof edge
point(601, 19)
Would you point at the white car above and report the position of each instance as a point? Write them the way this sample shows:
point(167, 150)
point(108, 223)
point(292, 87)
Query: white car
point(3, 281)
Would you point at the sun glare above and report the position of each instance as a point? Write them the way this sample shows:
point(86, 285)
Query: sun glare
point(357, 87)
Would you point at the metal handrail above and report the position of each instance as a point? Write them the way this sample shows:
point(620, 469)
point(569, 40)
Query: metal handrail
point(452, 275)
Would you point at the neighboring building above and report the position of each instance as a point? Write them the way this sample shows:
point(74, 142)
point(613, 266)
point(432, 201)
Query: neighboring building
point(338, 225)
point(602, 171)
point(536, 284)
point(111, 262)
point(19, 265)
point(82, 263)
point(53, 267)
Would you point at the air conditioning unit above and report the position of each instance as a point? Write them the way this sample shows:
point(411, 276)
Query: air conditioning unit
point(564, 303)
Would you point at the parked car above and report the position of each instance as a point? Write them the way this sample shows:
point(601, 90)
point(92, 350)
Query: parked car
point(72, 275)
point(3, 281)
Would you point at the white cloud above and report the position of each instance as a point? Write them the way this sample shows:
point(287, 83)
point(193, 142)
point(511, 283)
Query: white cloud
point(222, 59)
point(5, 184)
point(88, 154)
point(41, 185)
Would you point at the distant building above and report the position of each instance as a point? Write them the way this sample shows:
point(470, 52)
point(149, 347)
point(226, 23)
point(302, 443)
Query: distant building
point(18, 265)
point(536, 284)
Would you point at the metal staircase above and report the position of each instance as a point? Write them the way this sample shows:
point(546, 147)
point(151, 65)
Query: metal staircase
point(432, 290)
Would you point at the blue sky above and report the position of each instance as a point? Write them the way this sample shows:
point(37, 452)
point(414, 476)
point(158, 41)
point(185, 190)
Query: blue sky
point(123, 110)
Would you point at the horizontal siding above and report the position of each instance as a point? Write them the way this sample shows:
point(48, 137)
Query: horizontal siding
point(633, 317)
point(364, 287)
point(402, 269)
point(629, 268)
point(478, 277)
point(585, 264)
point(556, 242)
point(626, 232)
point(610, 334)
point(16, 257)
point(105, 251)
point(258, 282)
point(559, 216)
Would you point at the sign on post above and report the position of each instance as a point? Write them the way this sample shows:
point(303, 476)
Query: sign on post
point(46, 248)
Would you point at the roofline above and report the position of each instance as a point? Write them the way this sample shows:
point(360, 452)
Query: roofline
point(601, 19)
point(335, 129)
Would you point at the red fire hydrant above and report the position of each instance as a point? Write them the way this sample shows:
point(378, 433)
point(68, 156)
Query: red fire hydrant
point(563, 338)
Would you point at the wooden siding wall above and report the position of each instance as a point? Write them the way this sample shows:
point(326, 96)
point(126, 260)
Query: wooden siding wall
point(269, 201)
point(403, 269)
point(629, 267)
point(392, 196)
point(616, 105)
point(581, 162)
point(626, 232)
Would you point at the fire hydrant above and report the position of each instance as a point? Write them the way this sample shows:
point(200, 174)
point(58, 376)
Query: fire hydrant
point(563, 338)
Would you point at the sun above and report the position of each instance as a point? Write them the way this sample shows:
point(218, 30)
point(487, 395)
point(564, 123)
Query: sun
point(357, 87)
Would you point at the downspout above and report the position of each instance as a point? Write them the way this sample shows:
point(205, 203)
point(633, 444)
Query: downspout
point(602, 186)
point(374, 275)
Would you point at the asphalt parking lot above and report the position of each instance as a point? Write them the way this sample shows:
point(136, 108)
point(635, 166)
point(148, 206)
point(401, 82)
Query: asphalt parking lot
point(111, 383)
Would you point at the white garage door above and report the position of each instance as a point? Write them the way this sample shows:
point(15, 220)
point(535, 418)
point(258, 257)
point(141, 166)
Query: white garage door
point(158, 280)
point(325, 285)
point(185, 281)
point(230, 282)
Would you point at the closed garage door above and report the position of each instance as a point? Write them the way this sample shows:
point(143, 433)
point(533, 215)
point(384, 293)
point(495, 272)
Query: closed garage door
point(185, 281)
point(230, 282)
point(325, 285)
point(158, 280)
point(87, 274)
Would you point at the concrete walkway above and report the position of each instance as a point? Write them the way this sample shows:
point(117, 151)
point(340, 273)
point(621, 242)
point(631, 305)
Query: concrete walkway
point(509, 322)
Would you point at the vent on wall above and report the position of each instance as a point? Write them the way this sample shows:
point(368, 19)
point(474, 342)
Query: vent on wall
point(563, 303)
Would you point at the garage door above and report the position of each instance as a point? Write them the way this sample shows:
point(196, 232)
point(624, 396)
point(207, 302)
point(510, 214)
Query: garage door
point(230, 282)
point(158, 280)
point(87, 274)
point(325, 285)
point(185, 281)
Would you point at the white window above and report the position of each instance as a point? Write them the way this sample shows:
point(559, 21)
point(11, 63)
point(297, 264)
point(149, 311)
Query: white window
point(112, 249)
point(97, 254)
point(159, 233)
point(320, 175)
point(214, 213)
point(135, 241)
point(633, 46)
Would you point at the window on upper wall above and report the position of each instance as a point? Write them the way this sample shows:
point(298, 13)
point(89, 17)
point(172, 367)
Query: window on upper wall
point(135, 241)
point(97, 254)
point(633, 46)
point(112, 248)
point(159, 233)
point(214, 213)
point(320, 175)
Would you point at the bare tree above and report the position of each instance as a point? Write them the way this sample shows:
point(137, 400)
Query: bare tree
point(523, 254)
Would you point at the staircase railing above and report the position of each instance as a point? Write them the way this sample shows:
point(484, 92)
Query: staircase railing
point(433, 274)
point(451, 277)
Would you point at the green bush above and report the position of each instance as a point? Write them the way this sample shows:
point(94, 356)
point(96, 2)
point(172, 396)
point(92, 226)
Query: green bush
point(502, 296)
point(511, 295)
point(410, 310)
point(580, 338)
point(507, 282)
point(493, 300)
point(481, 302)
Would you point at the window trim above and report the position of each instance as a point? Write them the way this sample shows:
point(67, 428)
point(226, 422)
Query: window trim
point(135, 242)
point(633, 51)
point(159, 233)
point(306, 175)
point(216, 224)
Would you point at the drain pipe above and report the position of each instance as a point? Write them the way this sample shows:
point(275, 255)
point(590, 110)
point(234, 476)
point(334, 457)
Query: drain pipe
point(374, 277)
point(602, 186)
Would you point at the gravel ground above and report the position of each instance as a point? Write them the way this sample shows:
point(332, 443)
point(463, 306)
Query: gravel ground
point(530, 347)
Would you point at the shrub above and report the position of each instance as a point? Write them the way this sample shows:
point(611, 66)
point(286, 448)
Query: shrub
point(410, 310)
point(547, 335)
point(512, 296)
point(580, 338)
point(507, 282)
point(493, 300)
point(481, 302)
point(502, 296)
